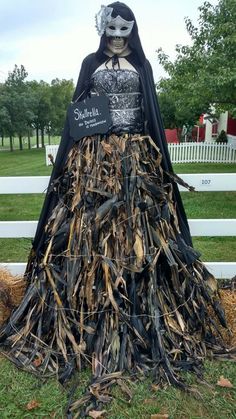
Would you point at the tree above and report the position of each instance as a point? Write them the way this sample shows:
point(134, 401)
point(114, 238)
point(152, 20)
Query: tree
point(204, 74)
point(17, 77)
point(49, 104)
point(61, 94)
point(17, 103)
point(5, 118)
point(168, 110)
point(27, 105)
point(40, 93)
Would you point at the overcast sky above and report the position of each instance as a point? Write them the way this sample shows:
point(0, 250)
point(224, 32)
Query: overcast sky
point(51, 37)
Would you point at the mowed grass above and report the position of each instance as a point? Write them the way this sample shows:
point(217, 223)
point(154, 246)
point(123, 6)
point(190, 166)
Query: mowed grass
point(20, 207)
point(204, 168)
point(216, 249)
point(24, 163)
point(209, 204)
point(19, 390)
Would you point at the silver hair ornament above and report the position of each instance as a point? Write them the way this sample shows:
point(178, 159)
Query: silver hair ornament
point(103, 17)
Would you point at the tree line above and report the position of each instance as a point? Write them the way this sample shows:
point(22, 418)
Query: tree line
point(202, 77)
point(30, 108)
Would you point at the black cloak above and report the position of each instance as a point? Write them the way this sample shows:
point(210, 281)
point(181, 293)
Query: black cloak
point(152, 118)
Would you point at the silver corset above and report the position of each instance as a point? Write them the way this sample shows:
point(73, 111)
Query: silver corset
point(122, 87)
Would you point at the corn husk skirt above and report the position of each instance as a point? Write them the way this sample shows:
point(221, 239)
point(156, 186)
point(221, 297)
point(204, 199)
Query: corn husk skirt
point(115, 286)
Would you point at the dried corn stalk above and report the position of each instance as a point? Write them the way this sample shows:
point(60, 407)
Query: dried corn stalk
point(115, 286)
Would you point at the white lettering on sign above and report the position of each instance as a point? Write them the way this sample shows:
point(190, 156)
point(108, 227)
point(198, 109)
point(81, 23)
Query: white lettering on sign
point(94, 123)
point(85, 114)
point(90, 121)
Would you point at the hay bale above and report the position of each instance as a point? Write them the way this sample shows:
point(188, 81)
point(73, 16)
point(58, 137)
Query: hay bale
point(228, 298)
point(12, 289)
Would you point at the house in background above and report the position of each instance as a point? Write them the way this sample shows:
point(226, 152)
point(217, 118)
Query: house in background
point(213, 127)
point(208, 130)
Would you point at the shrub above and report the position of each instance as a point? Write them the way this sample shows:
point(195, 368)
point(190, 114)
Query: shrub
point(222, 137)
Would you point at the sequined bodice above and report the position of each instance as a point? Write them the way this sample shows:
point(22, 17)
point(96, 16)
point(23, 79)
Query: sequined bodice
point(122, 87)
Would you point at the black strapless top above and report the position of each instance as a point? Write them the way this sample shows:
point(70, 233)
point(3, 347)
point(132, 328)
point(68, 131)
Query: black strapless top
point(122, 87)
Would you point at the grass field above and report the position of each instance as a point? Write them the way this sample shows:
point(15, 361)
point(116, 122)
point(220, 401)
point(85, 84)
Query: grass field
point(24, 163)
point(19, 391)
point(205, 168)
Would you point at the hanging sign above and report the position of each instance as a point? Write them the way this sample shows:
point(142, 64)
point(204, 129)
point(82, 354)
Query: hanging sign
point(90, 116)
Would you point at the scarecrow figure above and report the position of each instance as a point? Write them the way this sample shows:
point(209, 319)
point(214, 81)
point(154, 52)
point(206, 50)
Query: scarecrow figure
point(112, 279)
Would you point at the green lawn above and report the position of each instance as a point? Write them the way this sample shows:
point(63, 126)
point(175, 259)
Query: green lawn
point(216, 249)
point(18, 389)
point(210, 204)
point(204, 168)
point(24, 163)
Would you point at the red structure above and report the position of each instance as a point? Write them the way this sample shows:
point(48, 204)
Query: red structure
point(231, 126)
point(171, 136)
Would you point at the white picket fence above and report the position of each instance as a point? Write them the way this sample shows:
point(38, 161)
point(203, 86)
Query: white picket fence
point(202, 153)
point(198, 227)
point(185, 153)
point(50, 150)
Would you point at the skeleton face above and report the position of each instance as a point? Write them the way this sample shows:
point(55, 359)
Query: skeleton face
point(117, 45)
point(119, 27)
